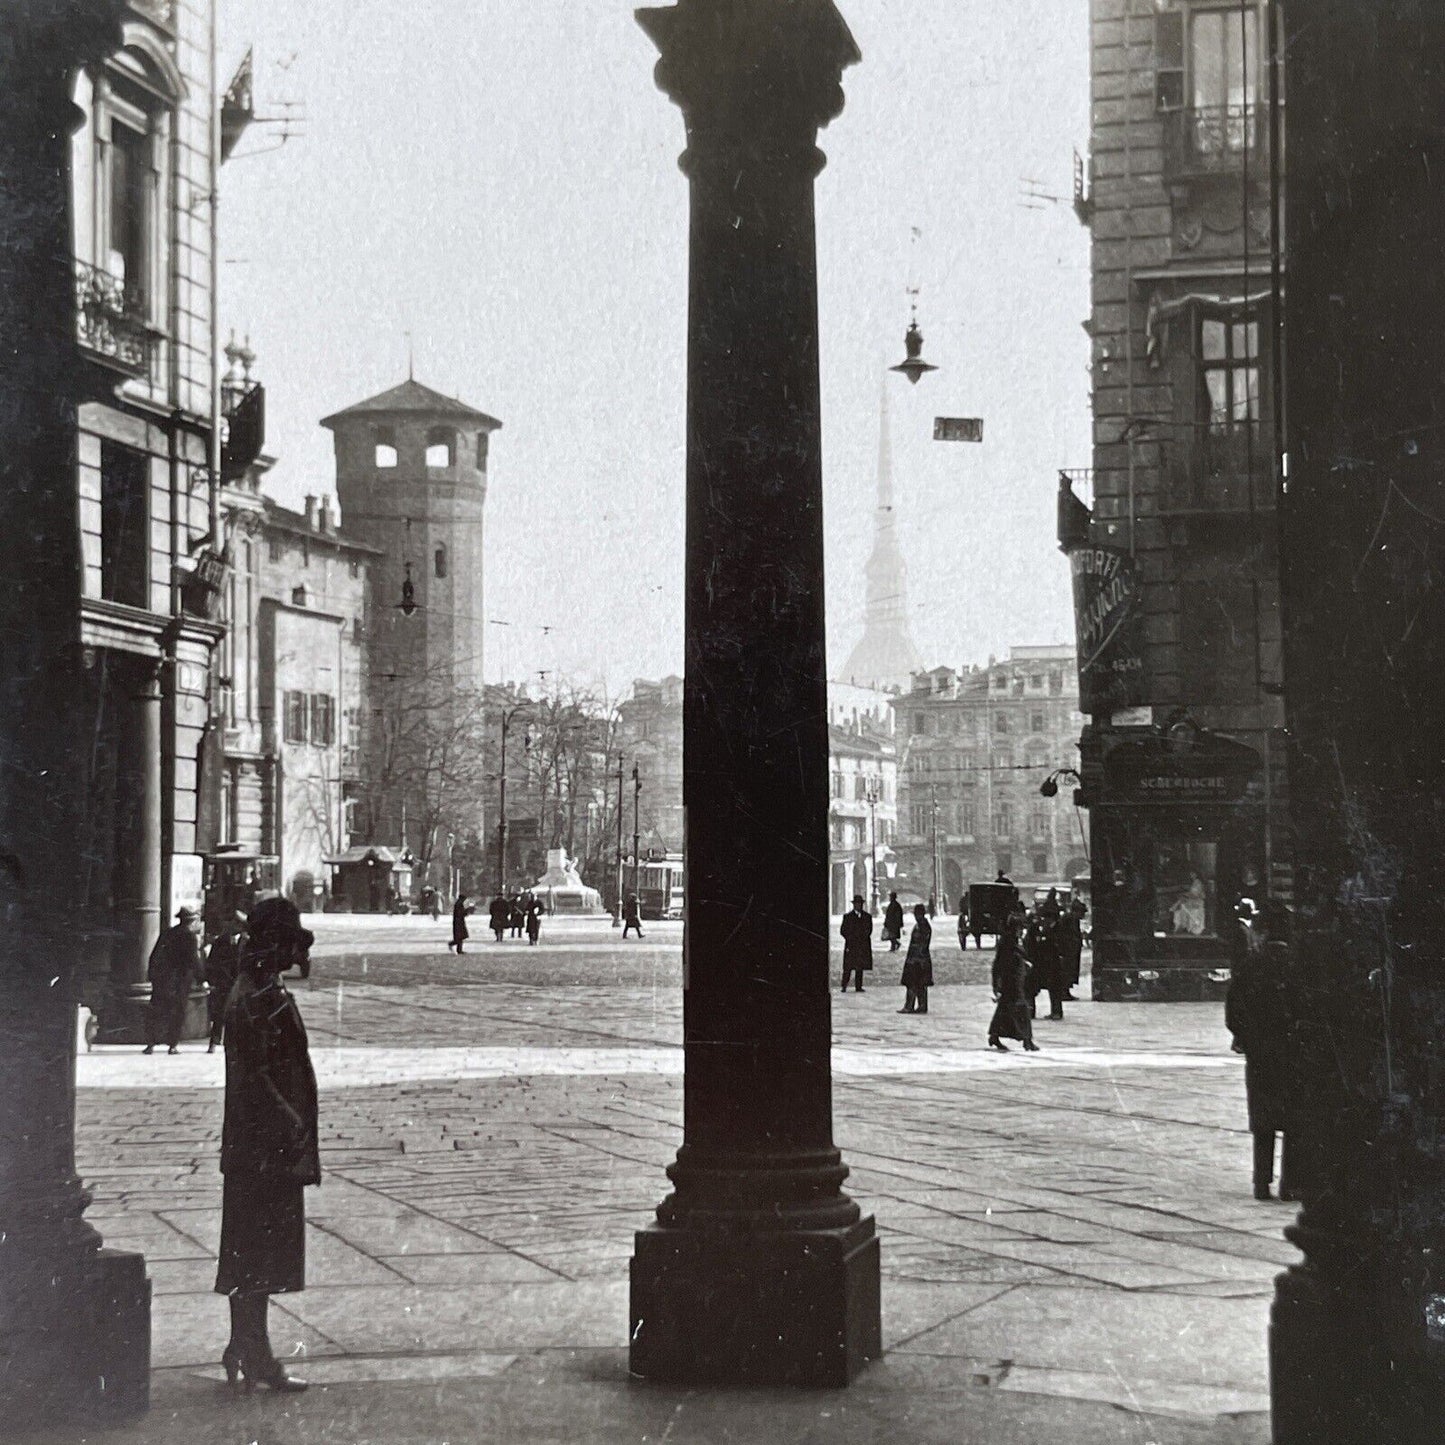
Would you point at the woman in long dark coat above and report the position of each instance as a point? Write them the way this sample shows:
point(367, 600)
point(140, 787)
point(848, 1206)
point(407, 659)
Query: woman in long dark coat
point(268, 1142)
point(1010, 986)
point(460, 932)
point(893, 922)
point(918, 964)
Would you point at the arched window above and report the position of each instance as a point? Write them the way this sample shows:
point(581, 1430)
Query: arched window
point(440, 447)
point(440, 561)
point(385, 457)
point(122, 186)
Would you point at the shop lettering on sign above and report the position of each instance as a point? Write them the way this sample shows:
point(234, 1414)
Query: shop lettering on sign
point(1112, 670)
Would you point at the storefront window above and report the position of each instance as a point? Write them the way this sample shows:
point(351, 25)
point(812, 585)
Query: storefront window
point(1184, 890)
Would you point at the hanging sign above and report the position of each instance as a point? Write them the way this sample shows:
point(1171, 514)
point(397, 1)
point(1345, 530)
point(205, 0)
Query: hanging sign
point(1108, 625)
point(958, 428)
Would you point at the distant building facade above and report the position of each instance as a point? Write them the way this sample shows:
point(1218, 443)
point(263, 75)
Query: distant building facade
point(296, 695)
point(974, 747)
point(650, 735)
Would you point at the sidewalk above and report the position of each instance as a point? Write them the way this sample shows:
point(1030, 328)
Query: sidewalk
point(1069, 1246)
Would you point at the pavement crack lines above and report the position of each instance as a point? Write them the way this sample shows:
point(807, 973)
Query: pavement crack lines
point(951, 1318)
point(408, 1207)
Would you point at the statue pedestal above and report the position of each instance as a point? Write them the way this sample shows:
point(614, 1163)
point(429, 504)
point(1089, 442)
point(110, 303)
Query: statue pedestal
point(563, 888)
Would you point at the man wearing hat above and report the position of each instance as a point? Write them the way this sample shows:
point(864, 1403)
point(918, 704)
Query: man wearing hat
point(175, 964)
point(857, 931)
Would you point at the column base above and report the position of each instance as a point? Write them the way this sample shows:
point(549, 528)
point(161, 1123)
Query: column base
point(1336, 1377)
point(78, 1346)
point(711, 1307)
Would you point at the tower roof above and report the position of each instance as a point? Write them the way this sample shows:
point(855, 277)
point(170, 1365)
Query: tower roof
point(412, 398)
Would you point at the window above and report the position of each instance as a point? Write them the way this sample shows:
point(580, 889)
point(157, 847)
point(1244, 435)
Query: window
point(1003, 821)
point(298, 597)
point(275, 549)
point(920, 724)
point(1038, 824)
point(358, 630)
point(481, 451)
point(1041, 863)
point(967, 819)
point(127, 256)
point(1036, 722)
point(1229, 374)
point(1003, 761)
point(385, 456)
point(439, 562)
point(1056, 681)
point(294, 717)
point(1223, 59)
point(1036, 681)
point(354, 568)
point(124, 526)
point(440, 447)
point(1000, 723)
point(323, 720)
point(920, 818)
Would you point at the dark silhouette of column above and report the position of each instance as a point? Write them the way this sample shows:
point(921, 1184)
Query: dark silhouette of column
point(759, 1268)
point(1358, 1327)
point(138, 854)
point(74, 1319)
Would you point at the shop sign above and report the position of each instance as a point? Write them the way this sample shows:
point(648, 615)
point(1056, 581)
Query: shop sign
point(1108, 626)
point(1186, 766)
point(186, 885)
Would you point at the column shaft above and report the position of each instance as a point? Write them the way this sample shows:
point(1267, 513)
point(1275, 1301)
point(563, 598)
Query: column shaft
point(760, 1268)
point(74, 1319)
point(1358, 1333)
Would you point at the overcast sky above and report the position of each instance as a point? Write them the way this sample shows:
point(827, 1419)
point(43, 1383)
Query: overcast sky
point(500, 180)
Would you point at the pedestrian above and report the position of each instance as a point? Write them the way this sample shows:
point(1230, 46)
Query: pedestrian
point(893, 923)
point(1071, 947)
point(268, 1143)
point(1041, 944)
point(173, 968)
point(1256, 1013)
point(963, 922)
point(857, 931)
point(534, 920)
point(516, 915)
point(460, 931)
point(1011, 1017)
point(499, 913)
point(222, 962)
point(917, 964)
point(431, 902)
point(632, 915)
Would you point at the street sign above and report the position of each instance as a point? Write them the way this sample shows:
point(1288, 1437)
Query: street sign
point(958, 428)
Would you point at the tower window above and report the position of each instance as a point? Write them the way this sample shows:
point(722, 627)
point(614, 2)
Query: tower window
point(481, 451)
point(385, 457)
point(439, 562)
point(440, 447)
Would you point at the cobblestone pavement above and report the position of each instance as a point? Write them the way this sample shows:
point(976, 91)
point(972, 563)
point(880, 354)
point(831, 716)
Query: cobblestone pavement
point(1064, 1232)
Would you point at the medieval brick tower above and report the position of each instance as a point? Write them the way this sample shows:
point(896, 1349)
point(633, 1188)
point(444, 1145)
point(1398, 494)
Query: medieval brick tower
point(411, 476)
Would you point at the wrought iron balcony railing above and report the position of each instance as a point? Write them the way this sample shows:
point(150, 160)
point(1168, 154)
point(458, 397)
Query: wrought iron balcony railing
point(1214, 140)
point(111, 322)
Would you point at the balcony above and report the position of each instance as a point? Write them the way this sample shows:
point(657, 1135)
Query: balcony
point(1220, 471)
point(1075, 506)
point(111, 322)
point(1215, 140)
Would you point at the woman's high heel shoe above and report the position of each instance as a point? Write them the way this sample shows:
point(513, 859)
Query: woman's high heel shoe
point(242, 1376)
point(231, 1363)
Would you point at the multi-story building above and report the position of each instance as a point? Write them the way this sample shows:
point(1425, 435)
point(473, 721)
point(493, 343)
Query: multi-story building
point(295, 694)
point(145, 157)
point(1172, 533)
point(975, 747)
point(650, 734)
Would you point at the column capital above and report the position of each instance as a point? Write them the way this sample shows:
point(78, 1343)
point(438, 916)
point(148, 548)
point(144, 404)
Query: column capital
point(755, 79)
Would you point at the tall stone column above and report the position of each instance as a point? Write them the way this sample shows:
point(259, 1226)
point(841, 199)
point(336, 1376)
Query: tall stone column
point(74, 1318)
point(759, 1268)
point(1358, 1327)
point(138, 855)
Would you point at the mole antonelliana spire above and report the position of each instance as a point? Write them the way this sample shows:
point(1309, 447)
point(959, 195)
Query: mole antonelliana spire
point(885, 655)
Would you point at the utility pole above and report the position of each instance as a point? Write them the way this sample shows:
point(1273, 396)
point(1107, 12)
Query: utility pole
point(617, 912)
point(933, 793)
point(872, 788)
point(636, 832)
point(502, 801)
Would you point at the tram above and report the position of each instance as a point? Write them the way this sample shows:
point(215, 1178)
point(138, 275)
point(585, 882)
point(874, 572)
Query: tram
point(660, 886)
